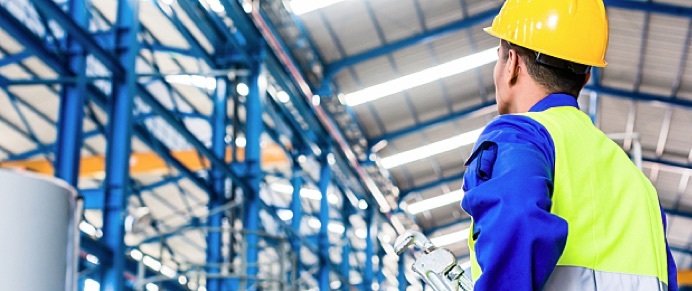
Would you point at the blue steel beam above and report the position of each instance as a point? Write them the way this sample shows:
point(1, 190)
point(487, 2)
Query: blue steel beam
point(638, 96)
point(15, 58)
point(72, 99)
point(325, 178)
point(195, 46)
point(118, 149)
point(93, 197)
point(368, 275)
point(346, 248)
point(252, 162)
point(429, 36)
point(430, 123)
point(648, 6)
point(296, 208)
point(216, 199)
point(401, 276)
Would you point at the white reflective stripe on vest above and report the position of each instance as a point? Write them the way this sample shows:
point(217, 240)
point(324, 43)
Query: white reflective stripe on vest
point(570, 278)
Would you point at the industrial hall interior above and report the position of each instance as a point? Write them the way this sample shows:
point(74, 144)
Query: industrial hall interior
point(214, 145)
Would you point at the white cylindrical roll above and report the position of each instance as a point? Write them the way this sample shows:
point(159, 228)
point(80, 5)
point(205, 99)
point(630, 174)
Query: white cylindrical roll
point(39, 218)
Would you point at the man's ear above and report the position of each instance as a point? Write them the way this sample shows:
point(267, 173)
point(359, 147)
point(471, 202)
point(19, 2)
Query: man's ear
point(512, 67)
point(586, 79)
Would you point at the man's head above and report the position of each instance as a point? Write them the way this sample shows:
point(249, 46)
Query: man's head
point(518, 74)
point(547, 47)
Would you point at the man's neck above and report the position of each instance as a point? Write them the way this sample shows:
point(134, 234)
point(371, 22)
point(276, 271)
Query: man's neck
point(528, 97)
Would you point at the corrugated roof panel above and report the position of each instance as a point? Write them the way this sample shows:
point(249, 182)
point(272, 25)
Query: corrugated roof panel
point(355, 29)
point(13, 140)
point(9, 44)
point(439, 13)
point(614, 114)
point(648, 123)
point(398, 19)
point(373, 72)
point(680, 136)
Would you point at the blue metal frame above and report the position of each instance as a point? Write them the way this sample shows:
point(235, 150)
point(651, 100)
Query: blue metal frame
point(118, 151)
point(216, 200)
point(253, 132)
point(325, 179)
point(73, 98)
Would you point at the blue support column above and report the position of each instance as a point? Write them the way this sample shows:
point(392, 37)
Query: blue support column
point(401, 277)
point(380, 265)
point(325, 178)
point(72, 97)
point(368, 272)
point(257, 84)
point(593, 106)
point(346, 248)
point(216, 199)
point(297, 210)
point(118, 149)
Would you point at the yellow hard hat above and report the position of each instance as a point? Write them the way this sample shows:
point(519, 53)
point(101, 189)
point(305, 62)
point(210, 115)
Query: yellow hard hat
point(572, 30)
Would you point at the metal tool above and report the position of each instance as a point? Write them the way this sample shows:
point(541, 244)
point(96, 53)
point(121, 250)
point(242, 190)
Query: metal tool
point(437, 266)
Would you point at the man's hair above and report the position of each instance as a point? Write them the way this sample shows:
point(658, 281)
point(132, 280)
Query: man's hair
point(554, 80)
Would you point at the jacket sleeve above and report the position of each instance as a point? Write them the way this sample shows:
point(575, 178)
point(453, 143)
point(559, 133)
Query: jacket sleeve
point(672, 268)
point(508, 185)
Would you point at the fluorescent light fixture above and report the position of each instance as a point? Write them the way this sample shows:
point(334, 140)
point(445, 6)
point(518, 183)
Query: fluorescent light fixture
point(285, 214)
point(316, 100)
point(136, 255)
point(450, 238)
point(91, 285)
point(152, 287)
point(362, 204)
point(314, 222)
point(242, 89)
point(202, 288)
point(168, 271)
point(336, 227)
point(216, 6)
point(152, 263)
point(335, 285)
point(435, 202)
point(304, 6)
point(92, 259)
point(283, 97)
point(240, 141)
point(182, 280)
point(332, 198)
point(423, 77)
point(247, 7)
point(312, 194)
point(432, 149)
point(361, 233)
point(87, 228)
point(333, 227)
point(198, 81)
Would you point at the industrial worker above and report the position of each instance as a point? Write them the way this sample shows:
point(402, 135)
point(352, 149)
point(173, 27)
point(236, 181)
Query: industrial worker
point(555, 204)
